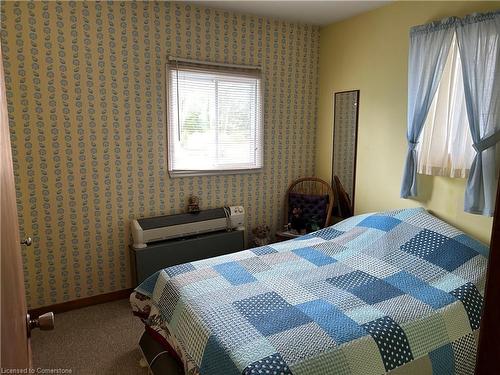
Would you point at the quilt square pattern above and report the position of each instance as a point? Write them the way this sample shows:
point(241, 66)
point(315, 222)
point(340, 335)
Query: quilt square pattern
point(263, 250)
point(329, 233)
point(332, 320)
point(235, 273)
point(279, 320)
point(261, 304)
point(352, 280)
point(385, 223)
point(254, 265)
point(179, 269)
point(417, 288)
point(451, 255)
point(391, 341)
point(393, 288)
point(216, 361)
point(472, 301)
point(472, 244)
point(464, 362)
point(366, 287)
point(272, 365)
point(439, 250)
point(314, 256)
point(442, 360)
point(424, 243)
point(294, 346)
point(270, 314)
point(403, 308)
point(376, 291)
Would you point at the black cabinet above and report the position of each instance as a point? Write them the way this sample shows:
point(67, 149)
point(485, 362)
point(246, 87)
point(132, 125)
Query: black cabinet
point(159, 255)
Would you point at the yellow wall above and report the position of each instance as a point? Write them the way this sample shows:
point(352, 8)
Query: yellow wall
point(86, 100)
point(370, 52)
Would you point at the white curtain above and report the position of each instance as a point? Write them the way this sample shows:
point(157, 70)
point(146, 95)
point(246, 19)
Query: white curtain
point(445, 147)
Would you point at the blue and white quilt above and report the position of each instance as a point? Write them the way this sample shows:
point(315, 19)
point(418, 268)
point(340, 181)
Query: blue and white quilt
point(372, 294)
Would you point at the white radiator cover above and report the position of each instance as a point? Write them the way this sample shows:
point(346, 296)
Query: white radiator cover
point(233, 218)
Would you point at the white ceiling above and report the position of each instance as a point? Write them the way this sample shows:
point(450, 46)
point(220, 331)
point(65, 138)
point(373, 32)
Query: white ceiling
point(313, 12)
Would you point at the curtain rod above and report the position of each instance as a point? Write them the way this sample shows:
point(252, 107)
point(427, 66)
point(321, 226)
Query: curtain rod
point(171, 58)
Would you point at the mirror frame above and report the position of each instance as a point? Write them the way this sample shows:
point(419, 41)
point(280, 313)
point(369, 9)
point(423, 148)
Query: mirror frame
point(355, 142)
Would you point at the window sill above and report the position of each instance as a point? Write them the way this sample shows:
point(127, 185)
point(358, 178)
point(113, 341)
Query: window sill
point(440, 173)
point(176, 174)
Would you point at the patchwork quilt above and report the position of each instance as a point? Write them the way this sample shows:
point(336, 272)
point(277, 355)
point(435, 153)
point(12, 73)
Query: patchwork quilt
point(398, 291)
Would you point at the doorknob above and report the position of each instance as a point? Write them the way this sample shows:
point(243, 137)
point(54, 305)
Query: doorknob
point(45, 322)
point(27, 241)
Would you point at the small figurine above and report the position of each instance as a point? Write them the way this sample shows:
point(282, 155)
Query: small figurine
point(314, 224)
point(297, 222)
point(261, 235)
point(193, 204)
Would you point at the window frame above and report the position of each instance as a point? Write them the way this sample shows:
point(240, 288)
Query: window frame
point(209, 67)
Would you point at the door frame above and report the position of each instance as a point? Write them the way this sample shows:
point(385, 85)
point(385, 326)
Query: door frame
point(488, 350)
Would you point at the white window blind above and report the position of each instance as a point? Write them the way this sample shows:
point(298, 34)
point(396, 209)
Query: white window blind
point(445, 146)
point(214, 119)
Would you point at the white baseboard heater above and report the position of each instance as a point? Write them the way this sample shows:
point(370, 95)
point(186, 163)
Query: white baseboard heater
point(165, 241)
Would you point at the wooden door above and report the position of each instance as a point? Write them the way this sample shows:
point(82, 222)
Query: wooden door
point(15, 349)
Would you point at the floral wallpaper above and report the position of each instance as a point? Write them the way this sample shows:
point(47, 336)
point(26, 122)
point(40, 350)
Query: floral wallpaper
point(86, 101)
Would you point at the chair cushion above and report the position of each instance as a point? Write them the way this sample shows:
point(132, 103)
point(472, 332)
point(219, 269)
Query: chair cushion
point(314, 207)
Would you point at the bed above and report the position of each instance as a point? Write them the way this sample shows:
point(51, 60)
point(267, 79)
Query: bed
point(398, 292)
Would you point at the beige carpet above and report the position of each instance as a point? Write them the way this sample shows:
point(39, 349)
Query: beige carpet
point(100, 339)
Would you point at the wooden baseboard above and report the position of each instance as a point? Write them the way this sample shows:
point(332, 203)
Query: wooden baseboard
point(82, 302)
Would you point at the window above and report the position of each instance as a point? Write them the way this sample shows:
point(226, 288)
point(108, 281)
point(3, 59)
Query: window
point(214, 119)
point(445, 147)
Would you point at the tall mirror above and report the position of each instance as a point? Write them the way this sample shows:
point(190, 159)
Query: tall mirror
point(345, 134)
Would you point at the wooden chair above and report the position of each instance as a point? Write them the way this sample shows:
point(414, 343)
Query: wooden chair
point(308, 188)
